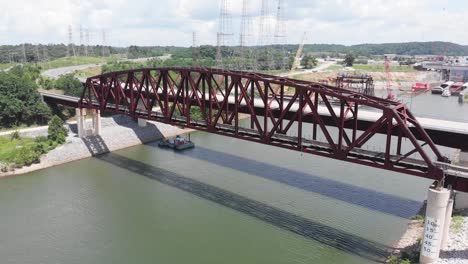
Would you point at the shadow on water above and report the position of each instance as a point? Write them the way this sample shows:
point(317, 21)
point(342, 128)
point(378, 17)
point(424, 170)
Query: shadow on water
point(381, 202)
point(95, 145)
point(299, 225)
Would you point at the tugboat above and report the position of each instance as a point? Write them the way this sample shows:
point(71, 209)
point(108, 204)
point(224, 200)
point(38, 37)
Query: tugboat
point(177, 143)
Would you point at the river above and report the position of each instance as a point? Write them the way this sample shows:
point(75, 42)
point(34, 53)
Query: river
point(226, 201)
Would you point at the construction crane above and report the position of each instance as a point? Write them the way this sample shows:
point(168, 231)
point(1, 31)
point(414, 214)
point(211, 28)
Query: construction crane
point(297, 58)
point(295, 64)
point(388, 85)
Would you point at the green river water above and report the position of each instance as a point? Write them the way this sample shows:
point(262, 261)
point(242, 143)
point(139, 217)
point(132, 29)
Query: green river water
point(226, 201)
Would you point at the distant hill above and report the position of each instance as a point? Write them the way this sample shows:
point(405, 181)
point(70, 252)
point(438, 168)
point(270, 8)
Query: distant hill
point(406, 48)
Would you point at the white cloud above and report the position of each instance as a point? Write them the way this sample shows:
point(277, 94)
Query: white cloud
point(171, 22)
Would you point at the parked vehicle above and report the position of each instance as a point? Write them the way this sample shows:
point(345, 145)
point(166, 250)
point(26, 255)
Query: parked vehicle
point(446, 92)
point(465, 85)
point(456, 88)
point(421, 87)
point(440, 89)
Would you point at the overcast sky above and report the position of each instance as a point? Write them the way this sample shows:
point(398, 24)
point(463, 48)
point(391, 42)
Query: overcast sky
point(171, 22)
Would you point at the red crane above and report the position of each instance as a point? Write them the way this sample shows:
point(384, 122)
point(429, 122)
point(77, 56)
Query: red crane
point(388, 85)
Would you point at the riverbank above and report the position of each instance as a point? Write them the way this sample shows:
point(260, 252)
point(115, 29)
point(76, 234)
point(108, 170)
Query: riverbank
point(118, 132)
point(457, 247)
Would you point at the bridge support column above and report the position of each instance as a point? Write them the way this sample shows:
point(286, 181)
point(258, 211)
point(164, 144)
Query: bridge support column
point(80, 121)
point(142, 122)
point(447, 223)
point(434, 225)
point(96, 121)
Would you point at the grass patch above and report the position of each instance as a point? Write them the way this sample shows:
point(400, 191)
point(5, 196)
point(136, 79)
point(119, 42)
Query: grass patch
point(457, 223)
point(72, 61)
point(417, 217)
point(4, 66)
point(17, 152)
point(88, 72)
point(381, 68)
point(9, 147)
point(274, 72)
point(334, 67)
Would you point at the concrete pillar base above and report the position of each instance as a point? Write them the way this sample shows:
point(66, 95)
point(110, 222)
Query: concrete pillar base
point(96, 122)
point(447, 223)
point(83, 130)
point(437, 201)
point(142, 122)
point(80, 121)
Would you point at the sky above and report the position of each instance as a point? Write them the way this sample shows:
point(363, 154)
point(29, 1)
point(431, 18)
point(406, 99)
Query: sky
point(172, 22)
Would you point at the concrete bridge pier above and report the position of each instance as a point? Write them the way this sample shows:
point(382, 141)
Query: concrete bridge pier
point(142, 122)
point(435, 225)
point(83, 130)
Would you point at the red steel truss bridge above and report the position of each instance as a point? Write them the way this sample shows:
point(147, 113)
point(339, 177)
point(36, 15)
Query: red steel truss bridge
point(304, 116)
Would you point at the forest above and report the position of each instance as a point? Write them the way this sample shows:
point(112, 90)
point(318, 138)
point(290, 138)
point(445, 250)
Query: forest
point(35, 53)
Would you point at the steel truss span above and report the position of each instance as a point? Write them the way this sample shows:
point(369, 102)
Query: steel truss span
point(215, 100)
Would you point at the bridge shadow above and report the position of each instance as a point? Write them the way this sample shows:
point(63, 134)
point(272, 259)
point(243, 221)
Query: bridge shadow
point(304, 227)
point(381, 202)
point(96, 145)
point(145, 134)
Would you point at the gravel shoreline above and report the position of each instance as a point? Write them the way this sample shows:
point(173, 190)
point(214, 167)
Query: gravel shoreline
point(457, 246)
point(117, 132)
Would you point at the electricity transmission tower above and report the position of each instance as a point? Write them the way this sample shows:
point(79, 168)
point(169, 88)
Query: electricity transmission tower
point(224, 33)
point(264, 39)
point(105, 49)
point(23, 50)
point(71, 46)
point(245, 53)
point(195, 49)
point(87, 42)
point(280, 36)
point(81, 49)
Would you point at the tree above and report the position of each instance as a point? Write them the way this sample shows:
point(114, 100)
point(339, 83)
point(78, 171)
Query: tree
point(57, 132)
point(70, 85)
point(20, 102)
point(309, 61)
point(349, 59)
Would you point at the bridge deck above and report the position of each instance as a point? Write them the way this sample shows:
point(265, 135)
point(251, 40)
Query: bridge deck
point(444, 133)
